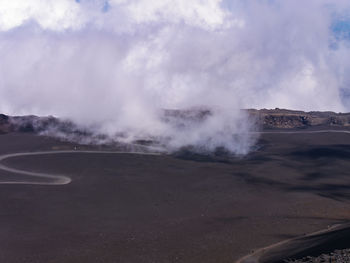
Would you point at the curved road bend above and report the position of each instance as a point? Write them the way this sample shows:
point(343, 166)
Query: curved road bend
point(53, 179)
point(62, 180)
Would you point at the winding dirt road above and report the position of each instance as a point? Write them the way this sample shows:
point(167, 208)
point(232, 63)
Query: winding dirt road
point(62, 179)
point(49, 179)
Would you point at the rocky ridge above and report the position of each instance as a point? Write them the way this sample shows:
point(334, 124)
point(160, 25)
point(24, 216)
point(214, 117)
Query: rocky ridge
point(289, 119)
point(35, 124)
point(264, 118)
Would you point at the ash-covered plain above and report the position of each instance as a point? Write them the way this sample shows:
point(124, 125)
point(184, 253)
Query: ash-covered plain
point(184, 206)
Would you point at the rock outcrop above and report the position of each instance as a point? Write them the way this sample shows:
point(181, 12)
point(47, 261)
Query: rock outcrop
point(288, 119)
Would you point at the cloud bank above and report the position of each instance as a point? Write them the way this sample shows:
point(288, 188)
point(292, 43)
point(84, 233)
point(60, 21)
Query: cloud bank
point(113, 65)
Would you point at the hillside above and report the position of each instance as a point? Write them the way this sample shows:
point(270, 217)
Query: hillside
point(265, 119)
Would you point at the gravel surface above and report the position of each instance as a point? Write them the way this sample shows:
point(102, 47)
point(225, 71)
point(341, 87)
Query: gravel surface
point(338, 256)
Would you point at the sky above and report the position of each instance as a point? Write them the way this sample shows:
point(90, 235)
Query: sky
point(113, 65)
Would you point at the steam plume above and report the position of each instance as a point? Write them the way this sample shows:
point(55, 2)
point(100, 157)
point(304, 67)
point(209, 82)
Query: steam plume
point(113, 66)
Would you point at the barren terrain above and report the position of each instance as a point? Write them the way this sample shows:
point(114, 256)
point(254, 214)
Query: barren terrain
point(183, 207)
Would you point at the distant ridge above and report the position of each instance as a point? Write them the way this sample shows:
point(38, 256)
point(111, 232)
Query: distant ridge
point(264, 118)
point(292, 119)
point(31, 123)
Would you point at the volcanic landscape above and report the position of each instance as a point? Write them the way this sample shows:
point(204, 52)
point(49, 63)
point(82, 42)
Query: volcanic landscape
point(62, 201)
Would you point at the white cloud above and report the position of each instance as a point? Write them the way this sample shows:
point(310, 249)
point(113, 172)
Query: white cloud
point(115, 69)
point(49, 14)
point(203, 13)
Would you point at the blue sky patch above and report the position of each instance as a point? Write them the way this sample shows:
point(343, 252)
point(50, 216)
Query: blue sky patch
point(106, 7)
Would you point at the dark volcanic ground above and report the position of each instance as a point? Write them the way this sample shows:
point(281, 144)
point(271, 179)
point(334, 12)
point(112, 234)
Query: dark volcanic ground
point(184, 208)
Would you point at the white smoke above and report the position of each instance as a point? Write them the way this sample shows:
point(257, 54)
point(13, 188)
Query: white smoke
point(112, 65)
